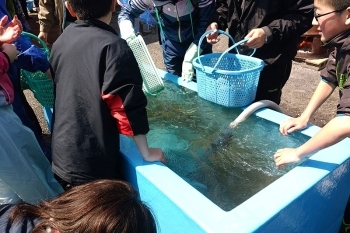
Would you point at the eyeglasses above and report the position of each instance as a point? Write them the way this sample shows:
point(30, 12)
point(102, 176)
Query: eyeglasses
point(318, 16)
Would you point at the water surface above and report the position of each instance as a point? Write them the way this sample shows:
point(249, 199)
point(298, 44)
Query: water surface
point(234, 168)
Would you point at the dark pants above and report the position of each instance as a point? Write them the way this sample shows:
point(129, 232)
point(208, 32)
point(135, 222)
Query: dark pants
point(174, 53)
point(272, 80)
point(24, 111)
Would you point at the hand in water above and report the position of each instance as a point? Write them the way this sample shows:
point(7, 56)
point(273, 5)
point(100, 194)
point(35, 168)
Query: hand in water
point(285, 156)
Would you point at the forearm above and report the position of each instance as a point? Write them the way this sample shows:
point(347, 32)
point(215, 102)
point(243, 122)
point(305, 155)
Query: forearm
point(335, 131)
point(321, 94)
point(142, 144)
point(205, 13)
point(132, 11)
point(220, 15)
point(296, 20)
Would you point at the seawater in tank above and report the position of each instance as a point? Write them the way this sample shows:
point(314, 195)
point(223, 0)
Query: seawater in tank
point(229, 172)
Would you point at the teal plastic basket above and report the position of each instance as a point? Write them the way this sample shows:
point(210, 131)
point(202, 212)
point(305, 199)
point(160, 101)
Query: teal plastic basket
point(227, 79)
point(38, 82)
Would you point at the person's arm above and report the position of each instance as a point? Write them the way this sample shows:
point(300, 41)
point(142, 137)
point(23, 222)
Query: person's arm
point(296, 21)
point(220, 15)
point(322, 92)
point(129, 12)
point(123, 94)
point(218, 21)
point(46, 16)
point(206, 9)
point(333, 132)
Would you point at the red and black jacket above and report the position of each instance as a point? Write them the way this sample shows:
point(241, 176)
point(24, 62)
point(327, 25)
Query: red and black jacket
point(98, 94)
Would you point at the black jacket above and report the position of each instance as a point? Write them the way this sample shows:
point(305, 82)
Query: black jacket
point(337, 69)
point(284, 21)
point(98, 94)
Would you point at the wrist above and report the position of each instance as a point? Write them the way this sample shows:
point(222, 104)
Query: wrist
point(305, 117)
point(299, 152)
point(268, 34)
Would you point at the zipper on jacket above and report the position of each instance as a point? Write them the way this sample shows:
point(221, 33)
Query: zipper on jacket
point(178, 20)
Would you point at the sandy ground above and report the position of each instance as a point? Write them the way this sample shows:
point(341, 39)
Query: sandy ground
point(296, 94)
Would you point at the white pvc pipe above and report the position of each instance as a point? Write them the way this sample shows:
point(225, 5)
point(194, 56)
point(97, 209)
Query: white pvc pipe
point(226, 133)
point(253, 107)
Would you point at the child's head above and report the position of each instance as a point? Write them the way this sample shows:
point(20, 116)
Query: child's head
point(90, 9)
point(332, 17)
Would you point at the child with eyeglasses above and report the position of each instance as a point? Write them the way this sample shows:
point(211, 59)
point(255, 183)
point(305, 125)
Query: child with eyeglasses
point(333, 21)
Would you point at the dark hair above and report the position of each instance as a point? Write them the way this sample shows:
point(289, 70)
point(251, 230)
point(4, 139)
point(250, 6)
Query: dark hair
point(90, 9)
point(336, 4)
point(109, 206)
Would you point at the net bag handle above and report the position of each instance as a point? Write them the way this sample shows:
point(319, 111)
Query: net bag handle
point(41, 42)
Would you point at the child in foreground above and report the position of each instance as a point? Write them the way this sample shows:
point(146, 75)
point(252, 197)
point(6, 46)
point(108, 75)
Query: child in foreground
point(98, 94)
point(106, 206)
point(333, 21)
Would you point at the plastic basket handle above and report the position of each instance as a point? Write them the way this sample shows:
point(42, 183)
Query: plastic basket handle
point(41, 42)
point(228, 50)
point(207, 33)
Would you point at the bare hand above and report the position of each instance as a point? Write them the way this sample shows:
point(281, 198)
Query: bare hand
point(155, 154)
point(292, 124)
point(256, 38)
point(285, 156)
point(213, 38)
point(43, 36)
point(11, 31)
point(10, 50)
point(48, 74)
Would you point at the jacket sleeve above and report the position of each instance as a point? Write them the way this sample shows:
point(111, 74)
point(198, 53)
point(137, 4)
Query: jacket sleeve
point(122, 91)
point(296, 21)
point(133, 9)
point(46, 14)
point(328, 73)
point(220, 15)
point(31, 57)
point(4, 63)
point(206, 9)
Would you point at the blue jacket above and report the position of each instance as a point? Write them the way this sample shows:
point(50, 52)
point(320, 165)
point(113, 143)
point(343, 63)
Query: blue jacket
point(181, 21)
